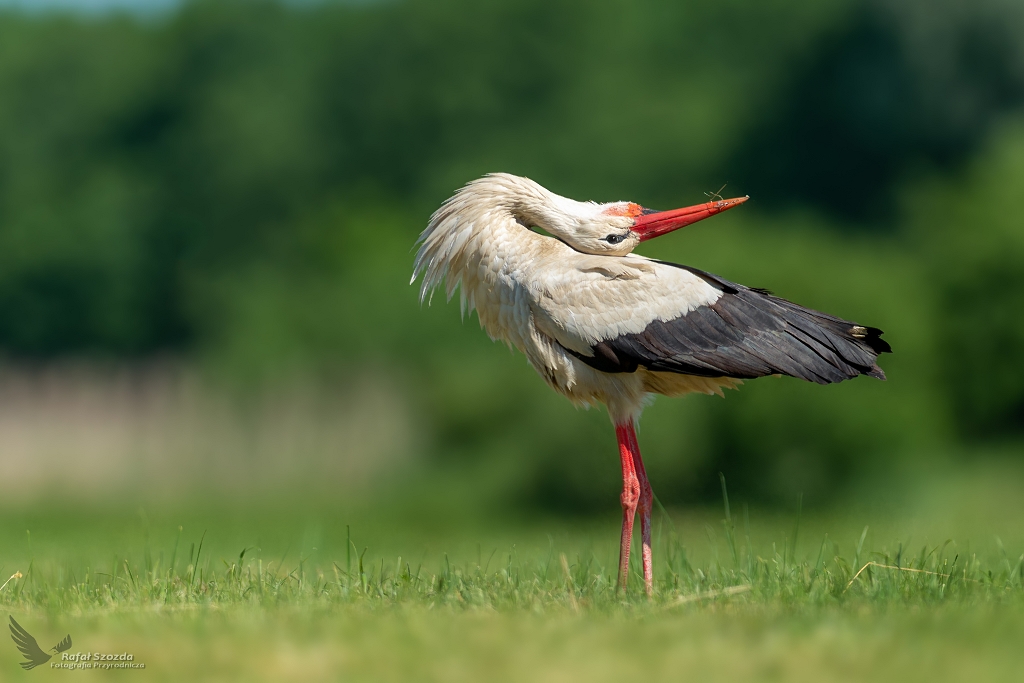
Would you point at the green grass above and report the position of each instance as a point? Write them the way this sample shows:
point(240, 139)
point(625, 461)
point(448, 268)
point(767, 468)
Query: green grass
point(932, 588)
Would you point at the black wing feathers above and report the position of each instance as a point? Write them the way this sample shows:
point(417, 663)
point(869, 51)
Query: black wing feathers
point(747, 333)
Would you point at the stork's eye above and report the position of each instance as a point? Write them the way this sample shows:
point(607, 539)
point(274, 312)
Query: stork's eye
point(614, 239)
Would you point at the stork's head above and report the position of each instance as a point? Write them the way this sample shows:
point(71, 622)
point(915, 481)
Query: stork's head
point(613, 229)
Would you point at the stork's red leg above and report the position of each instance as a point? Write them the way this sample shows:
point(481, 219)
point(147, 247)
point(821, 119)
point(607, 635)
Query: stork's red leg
point(636, 492)
point(645, 504)
point(630, 497)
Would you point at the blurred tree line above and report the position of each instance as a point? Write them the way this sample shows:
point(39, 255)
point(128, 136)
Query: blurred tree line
point(241, 183)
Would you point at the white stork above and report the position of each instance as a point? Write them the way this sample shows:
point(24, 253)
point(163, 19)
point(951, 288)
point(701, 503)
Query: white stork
point(602, 325)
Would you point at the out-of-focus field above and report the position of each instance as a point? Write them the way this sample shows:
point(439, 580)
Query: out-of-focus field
point(402, 590)
point(722, 642)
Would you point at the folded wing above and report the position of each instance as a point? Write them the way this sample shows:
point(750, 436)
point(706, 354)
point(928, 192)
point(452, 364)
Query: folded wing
point(733, 331)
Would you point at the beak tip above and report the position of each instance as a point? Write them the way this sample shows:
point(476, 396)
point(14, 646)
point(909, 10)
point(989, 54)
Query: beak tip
point(730, 203)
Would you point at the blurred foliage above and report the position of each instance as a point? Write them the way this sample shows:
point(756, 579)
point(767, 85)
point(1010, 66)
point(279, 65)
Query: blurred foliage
point(241, 182)
point(972, 229)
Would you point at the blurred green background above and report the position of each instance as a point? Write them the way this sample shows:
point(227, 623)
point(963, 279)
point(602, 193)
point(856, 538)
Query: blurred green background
point(207, 215)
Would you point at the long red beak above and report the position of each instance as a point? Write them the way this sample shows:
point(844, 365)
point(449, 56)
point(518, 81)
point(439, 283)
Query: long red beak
point(651, 225)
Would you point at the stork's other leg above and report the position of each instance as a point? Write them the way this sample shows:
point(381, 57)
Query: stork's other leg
point(636, 492)
point(645, 505)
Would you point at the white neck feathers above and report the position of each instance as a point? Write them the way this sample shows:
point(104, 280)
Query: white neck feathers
point(461, 233)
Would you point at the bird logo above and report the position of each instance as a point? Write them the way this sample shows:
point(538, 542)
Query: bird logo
point(26, 643)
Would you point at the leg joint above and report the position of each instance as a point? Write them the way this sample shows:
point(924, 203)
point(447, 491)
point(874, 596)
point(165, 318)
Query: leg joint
point(631, 494)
